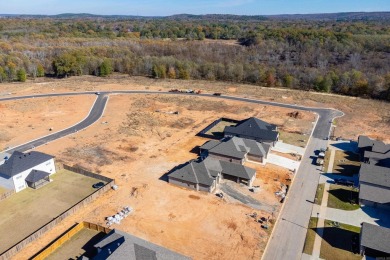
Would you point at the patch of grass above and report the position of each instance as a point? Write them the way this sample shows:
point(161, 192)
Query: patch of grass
point(340, 242)
point(341, 197)
point(310, 236)
point(346, 163)
point(319, 193)
point(218, 129)
point(26, 211)
point(79, 244)
point(326, 160)
point(293, 138)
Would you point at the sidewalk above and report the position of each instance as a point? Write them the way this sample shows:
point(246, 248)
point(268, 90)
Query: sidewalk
point(321, 212)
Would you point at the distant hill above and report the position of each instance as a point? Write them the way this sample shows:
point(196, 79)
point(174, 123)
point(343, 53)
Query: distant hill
point(353, 16)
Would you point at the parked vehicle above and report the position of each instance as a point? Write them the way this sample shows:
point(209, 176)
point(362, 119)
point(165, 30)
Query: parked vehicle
point(98, 185)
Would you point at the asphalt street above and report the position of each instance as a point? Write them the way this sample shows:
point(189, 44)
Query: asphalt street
point(95, 113)
point(288, 236)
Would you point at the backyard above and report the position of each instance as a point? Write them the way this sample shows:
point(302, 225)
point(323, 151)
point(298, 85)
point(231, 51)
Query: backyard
point(342, 197)
point(346, 163)
point(218, 129)
point(24, 212)
point(340, 241)
point(79, 244)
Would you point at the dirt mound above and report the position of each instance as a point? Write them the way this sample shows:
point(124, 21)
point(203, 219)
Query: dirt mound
point(295, 114)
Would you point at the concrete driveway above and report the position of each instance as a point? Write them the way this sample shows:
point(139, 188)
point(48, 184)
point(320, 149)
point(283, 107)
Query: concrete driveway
point(282, 161)
point(370, 215)
point(288, 148)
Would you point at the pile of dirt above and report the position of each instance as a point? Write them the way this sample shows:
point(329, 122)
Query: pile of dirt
point(295, 114)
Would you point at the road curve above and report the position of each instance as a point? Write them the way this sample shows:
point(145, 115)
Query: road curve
point(288, 236)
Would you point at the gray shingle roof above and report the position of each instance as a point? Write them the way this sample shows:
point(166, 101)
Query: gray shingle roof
point(119, 245)
point(234, 147)
point(35, 176)
point(209, 145)
point(374, 174)
point(213, 165)
point(20, 162)
point(375, 237)
point(364, 141)
point(373, 145)
point(254, 128)
point(375, 158)
point(194, 172)
point(374, 193)
point(237, 170)
point(238, 147)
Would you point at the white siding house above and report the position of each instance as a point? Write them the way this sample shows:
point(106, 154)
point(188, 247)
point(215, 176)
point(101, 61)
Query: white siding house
point(19, 166)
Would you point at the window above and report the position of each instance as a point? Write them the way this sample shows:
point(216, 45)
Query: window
point(19, 177)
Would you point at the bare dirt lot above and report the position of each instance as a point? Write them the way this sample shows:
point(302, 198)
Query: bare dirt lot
point(25, 120)
point(362, 116)
point(24, 212)
point(137, 145)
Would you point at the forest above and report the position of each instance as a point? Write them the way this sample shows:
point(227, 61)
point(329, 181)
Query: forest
point(343, 54)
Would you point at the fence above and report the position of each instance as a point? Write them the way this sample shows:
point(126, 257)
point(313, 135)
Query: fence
point(65, 237)
point(35, 235)
point(6, 195)
point(205, 130)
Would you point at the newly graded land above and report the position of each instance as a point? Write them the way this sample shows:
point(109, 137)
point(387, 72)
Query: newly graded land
point(137, 146)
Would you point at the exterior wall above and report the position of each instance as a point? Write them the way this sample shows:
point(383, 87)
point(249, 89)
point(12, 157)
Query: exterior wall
point(7, 183)
point(182, 183)
point(19, 179)
point(207, 188)
point(255, 158)
point(226, 158)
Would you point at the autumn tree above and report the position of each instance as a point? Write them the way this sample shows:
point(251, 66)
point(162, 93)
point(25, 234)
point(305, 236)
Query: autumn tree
point(21, 75)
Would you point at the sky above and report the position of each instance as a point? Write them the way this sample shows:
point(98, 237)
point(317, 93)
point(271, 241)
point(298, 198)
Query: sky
point(163, 8)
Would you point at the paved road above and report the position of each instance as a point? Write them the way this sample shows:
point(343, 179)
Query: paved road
point(95, 113)
point(288, 237)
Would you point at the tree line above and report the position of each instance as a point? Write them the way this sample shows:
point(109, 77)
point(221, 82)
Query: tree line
point(349, 58)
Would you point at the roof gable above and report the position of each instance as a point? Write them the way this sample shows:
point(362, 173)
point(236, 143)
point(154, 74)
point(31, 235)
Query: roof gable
point(20, 162)
point(194, 172)
point(119, 245)
point(35, 176)
point(375, 237)
point(375, 175)
point(237, 170)
point(255, 128)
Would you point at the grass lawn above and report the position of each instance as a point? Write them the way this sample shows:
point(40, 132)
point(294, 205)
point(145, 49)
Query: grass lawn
point(217, 130)
point(293, 138)
point(310, 236)
point(81, 243)
point(326, 161)
point(340, 197)
point(346, 163)
point(24, 212)
point(319, 193)
point(337, 242)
